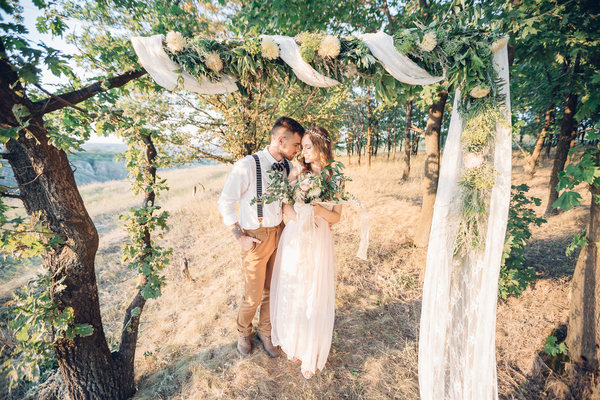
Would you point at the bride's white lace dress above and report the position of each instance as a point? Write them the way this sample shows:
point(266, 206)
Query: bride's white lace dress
point(303, 290)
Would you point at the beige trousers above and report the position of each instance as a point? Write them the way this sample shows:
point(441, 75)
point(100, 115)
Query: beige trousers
point(258, 269)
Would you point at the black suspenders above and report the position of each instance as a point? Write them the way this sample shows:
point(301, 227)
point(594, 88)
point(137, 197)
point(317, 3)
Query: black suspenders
point(287, 167)
point(259, 207)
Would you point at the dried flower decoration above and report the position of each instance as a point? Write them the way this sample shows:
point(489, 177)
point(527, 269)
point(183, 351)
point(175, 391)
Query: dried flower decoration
point(473, 160)
point(429, 42)
point(213, 61)
point(500, 43)
point(479, 91)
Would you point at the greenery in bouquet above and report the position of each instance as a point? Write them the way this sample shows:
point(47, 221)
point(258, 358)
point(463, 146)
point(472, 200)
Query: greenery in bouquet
point(327, 186)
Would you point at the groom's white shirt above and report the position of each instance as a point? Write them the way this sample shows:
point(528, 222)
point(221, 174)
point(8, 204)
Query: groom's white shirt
point(240, 187)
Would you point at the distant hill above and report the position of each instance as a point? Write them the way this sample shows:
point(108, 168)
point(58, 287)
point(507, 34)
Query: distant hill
point(95, 165)
point(105, 147)
point(98, 163)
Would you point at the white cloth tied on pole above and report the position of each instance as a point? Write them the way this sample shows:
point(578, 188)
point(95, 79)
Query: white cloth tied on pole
point(457, 352)
point(156, 61)
point(399, 66)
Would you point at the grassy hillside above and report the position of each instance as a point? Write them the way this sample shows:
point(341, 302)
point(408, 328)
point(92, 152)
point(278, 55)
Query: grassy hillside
point(187, 346)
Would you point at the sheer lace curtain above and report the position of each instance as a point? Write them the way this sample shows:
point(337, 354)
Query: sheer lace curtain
point(457, 352)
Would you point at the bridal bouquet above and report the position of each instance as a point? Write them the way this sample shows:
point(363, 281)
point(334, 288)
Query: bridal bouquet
point(327, 186)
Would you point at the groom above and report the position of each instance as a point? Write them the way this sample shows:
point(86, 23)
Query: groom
point(259, 226)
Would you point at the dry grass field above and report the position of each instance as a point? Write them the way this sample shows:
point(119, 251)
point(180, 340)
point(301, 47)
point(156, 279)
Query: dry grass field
point(187, 345)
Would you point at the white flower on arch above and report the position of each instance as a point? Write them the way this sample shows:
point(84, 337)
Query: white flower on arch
point(270, 49)
point(429, 42)
point(330, 47)
point(175, 41)
point(500, 43)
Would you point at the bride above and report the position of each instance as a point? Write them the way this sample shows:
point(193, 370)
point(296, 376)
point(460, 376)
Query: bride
point(303, 282)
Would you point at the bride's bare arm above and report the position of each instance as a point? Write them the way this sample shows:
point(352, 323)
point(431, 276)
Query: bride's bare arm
point(332, 216)
point(289, 212)
point(287, 209)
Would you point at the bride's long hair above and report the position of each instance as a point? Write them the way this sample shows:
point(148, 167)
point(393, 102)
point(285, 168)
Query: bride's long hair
point(322, 142)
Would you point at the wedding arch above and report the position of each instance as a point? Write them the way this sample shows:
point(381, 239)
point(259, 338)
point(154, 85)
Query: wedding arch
point(457, 335)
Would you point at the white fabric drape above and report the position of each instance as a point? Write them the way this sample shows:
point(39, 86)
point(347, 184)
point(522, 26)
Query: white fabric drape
point(457, 352)
point(160, 67)
point(289, 52)
point(399, 66)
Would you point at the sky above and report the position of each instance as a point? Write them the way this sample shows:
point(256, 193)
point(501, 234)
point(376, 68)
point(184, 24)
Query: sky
point(31, 12)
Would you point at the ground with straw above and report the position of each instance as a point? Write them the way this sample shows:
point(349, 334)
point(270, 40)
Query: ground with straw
point(187, 345)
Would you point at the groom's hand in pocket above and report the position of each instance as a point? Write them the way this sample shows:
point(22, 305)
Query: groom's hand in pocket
point(247, 241)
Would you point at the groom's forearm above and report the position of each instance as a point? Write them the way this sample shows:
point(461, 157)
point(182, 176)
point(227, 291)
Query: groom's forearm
point(237, 231)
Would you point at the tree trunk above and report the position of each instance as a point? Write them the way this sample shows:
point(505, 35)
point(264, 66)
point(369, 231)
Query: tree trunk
point(415, 144)
point(406, 166)
point(583, 336)
point(571, 145)
point(349, 145)
point(369, 131)
point(47, 186)
point(131, 323)
point(562, 150)
point(539, 143)
point(395, 142)
point(432, 168)
point(549, 145)
point(389, 139)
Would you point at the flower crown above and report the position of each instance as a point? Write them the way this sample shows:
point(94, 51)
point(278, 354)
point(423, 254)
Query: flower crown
point(314, 132)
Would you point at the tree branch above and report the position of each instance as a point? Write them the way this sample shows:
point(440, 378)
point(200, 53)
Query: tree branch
point(527, 55)
point(52, 104)
point(60, 99)
point(418, 130)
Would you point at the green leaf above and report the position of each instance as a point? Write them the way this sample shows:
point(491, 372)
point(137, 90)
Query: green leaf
point(84, 330)
point(23, 334)
point(567, 200)
point(578, 241)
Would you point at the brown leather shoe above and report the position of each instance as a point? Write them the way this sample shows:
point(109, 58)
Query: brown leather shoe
point(244, 347)
point(271, 350)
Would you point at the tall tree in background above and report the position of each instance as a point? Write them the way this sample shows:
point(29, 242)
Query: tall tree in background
point(407, 146)
point(566, 136)
point(432, 167)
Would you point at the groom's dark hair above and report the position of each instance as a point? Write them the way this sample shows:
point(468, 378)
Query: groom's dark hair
point(284, 124)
